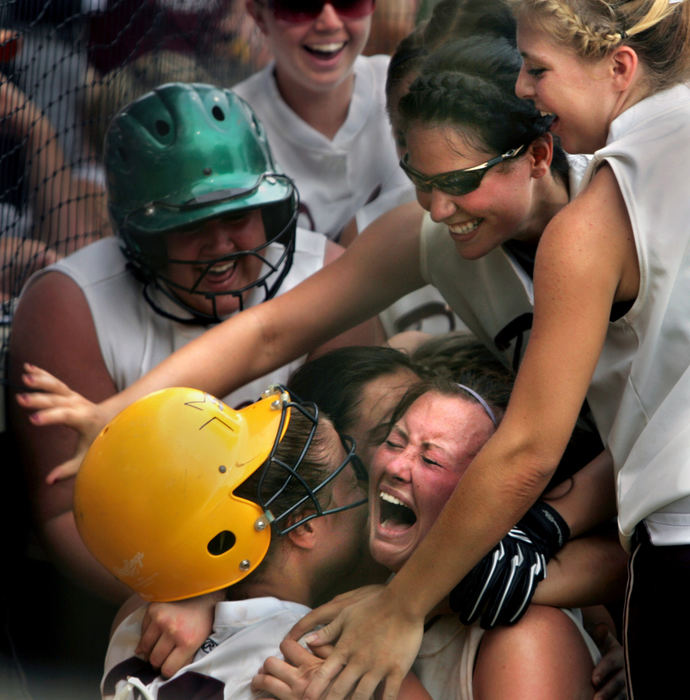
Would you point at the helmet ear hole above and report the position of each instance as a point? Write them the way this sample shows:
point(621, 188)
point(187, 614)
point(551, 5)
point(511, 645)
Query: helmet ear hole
point(218, 113)
point(162, 127)
point(223, 542)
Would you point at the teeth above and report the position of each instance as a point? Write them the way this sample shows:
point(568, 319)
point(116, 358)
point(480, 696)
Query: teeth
point(394, 513)
point(466, 227)
point(390, 499)
point(328, 48)
point(547, 114)
point(220, 269)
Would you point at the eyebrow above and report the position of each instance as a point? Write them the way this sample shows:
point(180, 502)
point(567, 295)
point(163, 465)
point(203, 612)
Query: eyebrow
point(435, 446)
point(532, 57)
point(426, 445)
point(397, 429)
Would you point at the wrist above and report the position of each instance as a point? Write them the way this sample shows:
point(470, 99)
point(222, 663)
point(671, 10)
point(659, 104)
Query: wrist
point(406, 600)
point(546, 527)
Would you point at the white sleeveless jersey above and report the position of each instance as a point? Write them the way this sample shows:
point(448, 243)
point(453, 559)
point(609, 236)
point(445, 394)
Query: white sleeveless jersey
point(640, 394)
point(134, 338)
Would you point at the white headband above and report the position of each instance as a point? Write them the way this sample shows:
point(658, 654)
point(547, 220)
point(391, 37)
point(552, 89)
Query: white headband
point(481, 402)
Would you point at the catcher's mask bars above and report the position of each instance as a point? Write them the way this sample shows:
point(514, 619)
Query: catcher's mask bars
point(311, 412)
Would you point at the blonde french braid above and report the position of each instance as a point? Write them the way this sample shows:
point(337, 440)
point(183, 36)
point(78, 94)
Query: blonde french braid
point(657, 30)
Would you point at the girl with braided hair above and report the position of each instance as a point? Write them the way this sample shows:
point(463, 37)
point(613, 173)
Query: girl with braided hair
point(614, 75)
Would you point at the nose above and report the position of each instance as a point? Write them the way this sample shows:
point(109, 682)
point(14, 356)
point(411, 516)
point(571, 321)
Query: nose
point(399, 466)
point(439, 204)
point(216, 236)
point(523, 84)
point(328, 19)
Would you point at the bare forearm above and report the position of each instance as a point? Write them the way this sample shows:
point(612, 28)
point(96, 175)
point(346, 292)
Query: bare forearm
point(588, 498)
point(587, 571)
point(66, 206)
point(66, 549)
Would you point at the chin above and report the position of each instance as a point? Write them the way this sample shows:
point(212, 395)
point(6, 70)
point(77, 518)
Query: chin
point(227, 309)
point(392, 560)
point(471, 253)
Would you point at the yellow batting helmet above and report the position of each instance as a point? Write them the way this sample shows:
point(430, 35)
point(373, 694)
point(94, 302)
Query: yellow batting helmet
point(154, 500)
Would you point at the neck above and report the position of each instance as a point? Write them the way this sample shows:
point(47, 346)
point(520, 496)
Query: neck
point(281, 576)
point(551, 196)
point(637, 92)
point(297, 575)
point(364, 572)
point(324, 110)
point(639, 88)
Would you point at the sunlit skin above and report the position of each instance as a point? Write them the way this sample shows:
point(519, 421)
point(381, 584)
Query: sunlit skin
point(215, 239)
point(314, 56)
point(560, 83)
point(415, 470)
point(513, 201)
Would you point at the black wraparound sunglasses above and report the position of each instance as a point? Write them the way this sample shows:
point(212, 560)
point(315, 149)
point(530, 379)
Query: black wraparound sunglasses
point(456, 182)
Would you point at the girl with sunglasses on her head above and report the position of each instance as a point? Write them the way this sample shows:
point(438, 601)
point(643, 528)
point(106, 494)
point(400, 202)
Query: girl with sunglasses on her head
point(322, 105)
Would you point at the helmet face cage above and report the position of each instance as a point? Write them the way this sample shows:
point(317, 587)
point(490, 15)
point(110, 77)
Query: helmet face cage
point(310, 411)
point(269, 279)
point(182, 155)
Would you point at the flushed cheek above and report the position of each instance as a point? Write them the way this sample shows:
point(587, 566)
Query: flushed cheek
point(432, 498)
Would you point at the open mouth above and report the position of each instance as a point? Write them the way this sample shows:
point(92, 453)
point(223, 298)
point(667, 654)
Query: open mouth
point(327, 50)
point(394, 514)
point(221, 271)
point(466, 228)
point(554, 117)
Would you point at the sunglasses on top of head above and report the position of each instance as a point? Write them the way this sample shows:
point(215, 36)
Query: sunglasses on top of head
point(455, 182)
point(308, 10)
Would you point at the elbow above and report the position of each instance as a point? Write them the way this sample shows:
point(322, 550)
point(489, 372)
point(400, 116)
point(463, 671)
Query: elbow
point(528, 469)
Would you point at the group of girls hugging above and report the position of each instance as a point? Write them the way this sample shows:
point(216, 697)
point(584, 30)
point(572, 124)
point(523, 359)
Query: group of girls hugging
point(547, 142)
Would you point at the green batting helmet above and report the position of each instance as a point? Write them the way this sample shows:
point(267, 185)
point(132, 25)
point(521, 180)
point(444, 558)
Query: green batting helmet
point(184, 154)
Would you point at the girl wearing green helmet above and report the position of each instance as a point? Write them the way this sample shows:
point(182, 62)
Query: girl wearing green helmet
point(205, 227)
